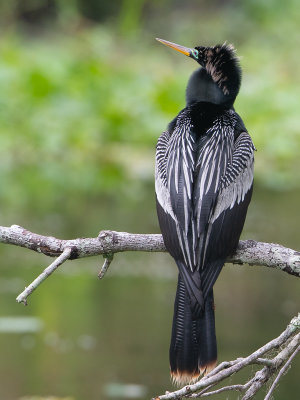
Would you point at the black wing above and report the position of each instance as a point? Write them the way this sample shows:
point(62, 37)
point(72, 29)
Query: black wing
point(202, 185)
point(193, 169)
point(228, 216)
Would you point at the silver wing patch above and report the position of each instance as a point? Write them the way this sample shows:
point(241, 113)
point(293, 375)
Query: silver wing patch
point(161, 190)
point(180, 177)
point(238, 177)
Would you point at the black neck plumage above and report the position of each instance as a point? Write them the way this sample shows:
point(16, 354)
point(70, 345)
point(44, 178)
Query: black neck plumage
point(202, 88)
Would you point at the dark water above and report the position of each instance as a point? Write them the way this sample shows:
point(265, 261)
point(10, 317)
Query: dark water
point(83, 339)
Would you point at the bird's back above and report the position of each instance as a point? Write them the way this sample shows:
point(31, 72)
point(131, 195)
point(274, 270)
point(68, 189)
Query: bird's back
point(191, 161)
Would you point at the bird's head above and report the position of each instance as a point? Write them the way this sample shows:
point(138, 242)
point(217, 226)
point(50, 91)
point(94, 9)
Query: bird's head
point(221, 66)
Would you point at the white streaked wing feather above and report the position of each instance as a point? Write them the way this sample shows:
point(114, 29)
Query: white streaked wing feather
point(238, 178)
point(180, 169)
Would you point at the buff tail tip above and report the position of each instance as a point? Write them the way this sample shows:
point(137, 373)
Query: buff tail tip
point(182, 378)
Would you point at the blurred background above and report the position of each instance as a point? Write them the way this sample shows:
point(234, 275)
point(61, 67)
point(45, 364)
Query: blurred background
point(85, 91)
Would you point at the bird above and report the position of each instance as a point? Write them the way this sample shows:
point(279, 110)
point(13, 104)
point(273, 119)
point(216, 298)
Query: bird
point(203, 182)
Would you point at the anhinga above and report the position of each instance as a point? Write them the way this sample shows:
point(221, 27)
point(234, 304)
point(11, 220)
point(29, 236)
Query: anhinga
point(203, 184)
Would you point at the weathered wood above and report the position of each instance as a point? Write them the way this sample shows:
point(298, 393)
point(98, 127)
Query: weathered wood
point(249, 251)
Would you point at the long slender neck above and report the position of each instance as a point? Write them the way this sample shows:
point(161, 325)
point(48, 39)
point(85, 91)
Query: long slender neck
point(201, 87)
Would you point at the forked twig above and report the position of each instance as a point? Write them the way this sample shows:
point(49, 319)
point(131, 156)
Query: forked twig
point(281, 372)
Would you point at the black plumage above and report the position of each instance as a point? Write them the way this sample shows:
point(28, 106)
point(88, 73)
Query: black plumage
point(203, 182)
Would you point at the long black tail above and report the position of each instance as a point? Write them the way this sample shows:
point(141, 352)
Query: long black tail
point(193, 348)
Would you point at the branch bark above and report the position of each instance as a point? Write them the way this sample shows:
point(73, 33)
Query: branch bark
point(109, 242)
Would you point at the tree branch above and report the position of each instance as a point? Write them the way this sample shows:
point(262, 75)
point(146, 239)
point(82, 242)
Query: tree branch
point(281, 372)
point(109, 242)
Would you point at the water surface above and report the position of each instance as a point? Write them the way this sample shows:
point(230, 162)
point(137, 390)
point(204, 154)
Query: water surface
point(81, 338)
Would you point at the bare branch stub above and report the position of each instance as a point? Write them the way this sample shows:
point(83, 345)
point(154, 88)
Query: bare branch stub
point(107, 261)
point(22, 298)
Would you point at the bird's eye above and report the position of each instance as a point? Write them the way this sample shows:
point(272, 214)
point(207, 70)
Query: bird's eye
point(195, 53)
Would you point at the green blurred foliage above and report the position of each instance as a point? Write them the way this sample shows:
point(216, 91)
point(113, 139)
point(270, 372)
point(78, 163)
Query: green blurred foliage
point(82, 104)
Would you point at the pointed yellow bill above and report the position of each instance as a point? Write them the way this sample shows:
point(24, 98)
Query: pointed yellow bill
point(184, 50)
